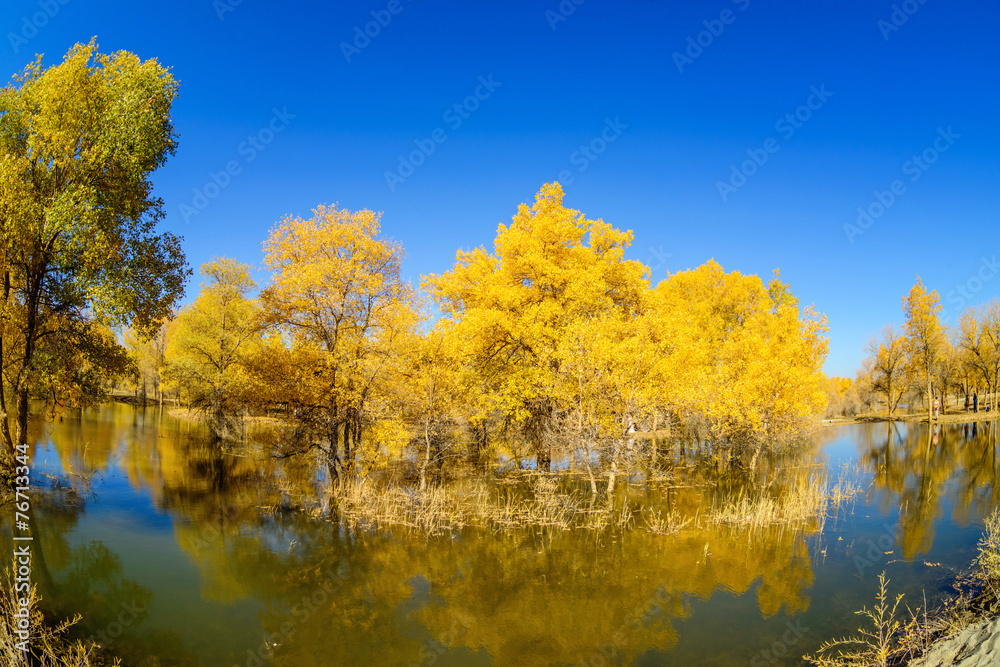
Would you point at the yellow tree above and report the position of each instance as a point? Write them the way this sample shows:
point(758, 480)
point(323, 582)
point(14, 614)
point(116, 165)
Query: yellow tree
point(432, 393)
point(925, 336)
point(769, 378)
point(212, 337)
point(749, 358)
point(551, 267)
point(78, 218)
point(613, 379)
point(888, 366)
point(337, 296)
point(148, 354)
point(979, 339)
point(597, 390)
point(77, 362)
point(948, 371)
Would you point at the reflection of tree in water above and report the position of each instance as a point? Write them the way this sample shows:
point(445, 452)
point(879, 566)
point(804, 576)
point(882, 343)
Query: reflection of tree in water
point(913, 463)
point(113, 609)
point(88, 579)
point(521, 597)
point(351, 596)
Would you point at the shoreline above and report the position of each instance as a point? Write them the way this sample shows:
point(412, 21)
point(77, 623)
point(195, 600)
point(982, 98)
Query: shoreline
point(916, 418)
point(977, 645)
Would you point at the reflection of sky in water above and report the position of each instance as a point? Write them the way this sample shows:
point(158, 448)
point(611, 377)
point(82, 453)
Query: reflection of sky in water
point(186, 525)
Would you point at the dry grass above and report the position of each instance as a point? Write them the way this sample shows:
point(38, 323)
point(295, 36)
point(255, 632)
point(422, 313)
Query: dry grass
point(449, 508)
point(809, 500)
point(988, 561)
point(536, 501)
point(670, 524)
point(48, 645)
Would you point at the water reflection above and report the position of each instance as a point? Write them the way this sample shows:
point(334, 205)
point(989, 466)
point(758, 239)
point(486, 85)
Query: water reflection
point(917, 469)
point(276, 577)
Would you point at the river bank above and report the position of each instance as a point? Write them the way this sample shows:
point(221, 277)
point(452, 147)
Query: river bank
point(976, 646)
point(961, 417)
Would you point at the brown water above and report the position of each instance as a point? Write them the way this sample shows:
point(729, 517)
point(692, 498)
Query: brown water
point(178, 554)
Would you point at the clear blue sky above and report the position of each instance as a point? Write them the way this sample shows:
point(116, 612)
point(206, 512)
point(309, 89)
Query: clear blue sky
point(888, 92)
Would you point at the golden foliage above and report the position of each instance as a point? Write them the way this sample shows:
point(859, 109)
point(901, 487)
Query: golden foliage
point(78, 240)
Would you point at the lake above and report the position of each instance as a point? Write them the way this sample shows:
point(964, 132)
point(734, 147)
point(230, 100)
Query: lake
point(177, 553)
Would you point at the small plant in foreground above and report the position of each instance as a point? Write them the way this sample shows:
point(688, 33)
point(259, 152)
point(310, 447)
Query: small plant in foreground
point(873, 647)
point(988, 561)
point(48, 645)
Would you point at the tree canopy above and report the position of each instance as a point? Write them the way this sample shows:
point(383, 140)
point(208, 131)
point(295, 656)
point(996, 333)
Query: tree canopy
point(78, 218)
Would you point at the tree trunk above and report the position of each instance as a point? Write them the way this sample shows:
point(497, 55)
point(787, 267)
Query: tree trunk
point(27, 363)
point(614, 468)
point(930, 400)
point(348, 462)
point(333, 434)
point(590, 474)
point(427, 459)
point(8, 439)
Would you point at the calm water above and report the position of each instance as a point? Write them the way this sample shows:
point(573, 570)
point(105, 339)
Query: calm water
point(182, 555)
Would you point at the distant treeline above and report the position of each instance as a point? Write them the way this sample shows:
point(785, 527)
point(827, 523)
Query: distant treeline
point(927, 360)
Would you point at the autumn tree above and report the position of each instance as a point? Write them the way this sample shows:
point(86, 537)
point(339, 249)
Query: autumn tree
point(337, 297)
point(948, 373)
point(925, 336)
point(888, 366)
point(551, 268)
point(78, 240)
point(147, 351)
point(864, 383)
point(746, 353)
point(604, 367)
point(842, 393)
point(432, 394)
point(209, 342)
point(978, 338)
point(77, 363)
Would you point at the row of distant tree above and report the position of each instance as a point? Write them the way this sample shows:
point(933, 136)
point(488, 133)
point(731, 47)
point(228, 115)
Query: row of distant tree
point(926, 360)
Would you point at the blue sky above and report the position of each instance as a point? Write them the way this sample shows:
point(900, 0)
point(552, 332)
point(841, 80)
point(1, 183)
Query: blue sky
point(646, 106)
